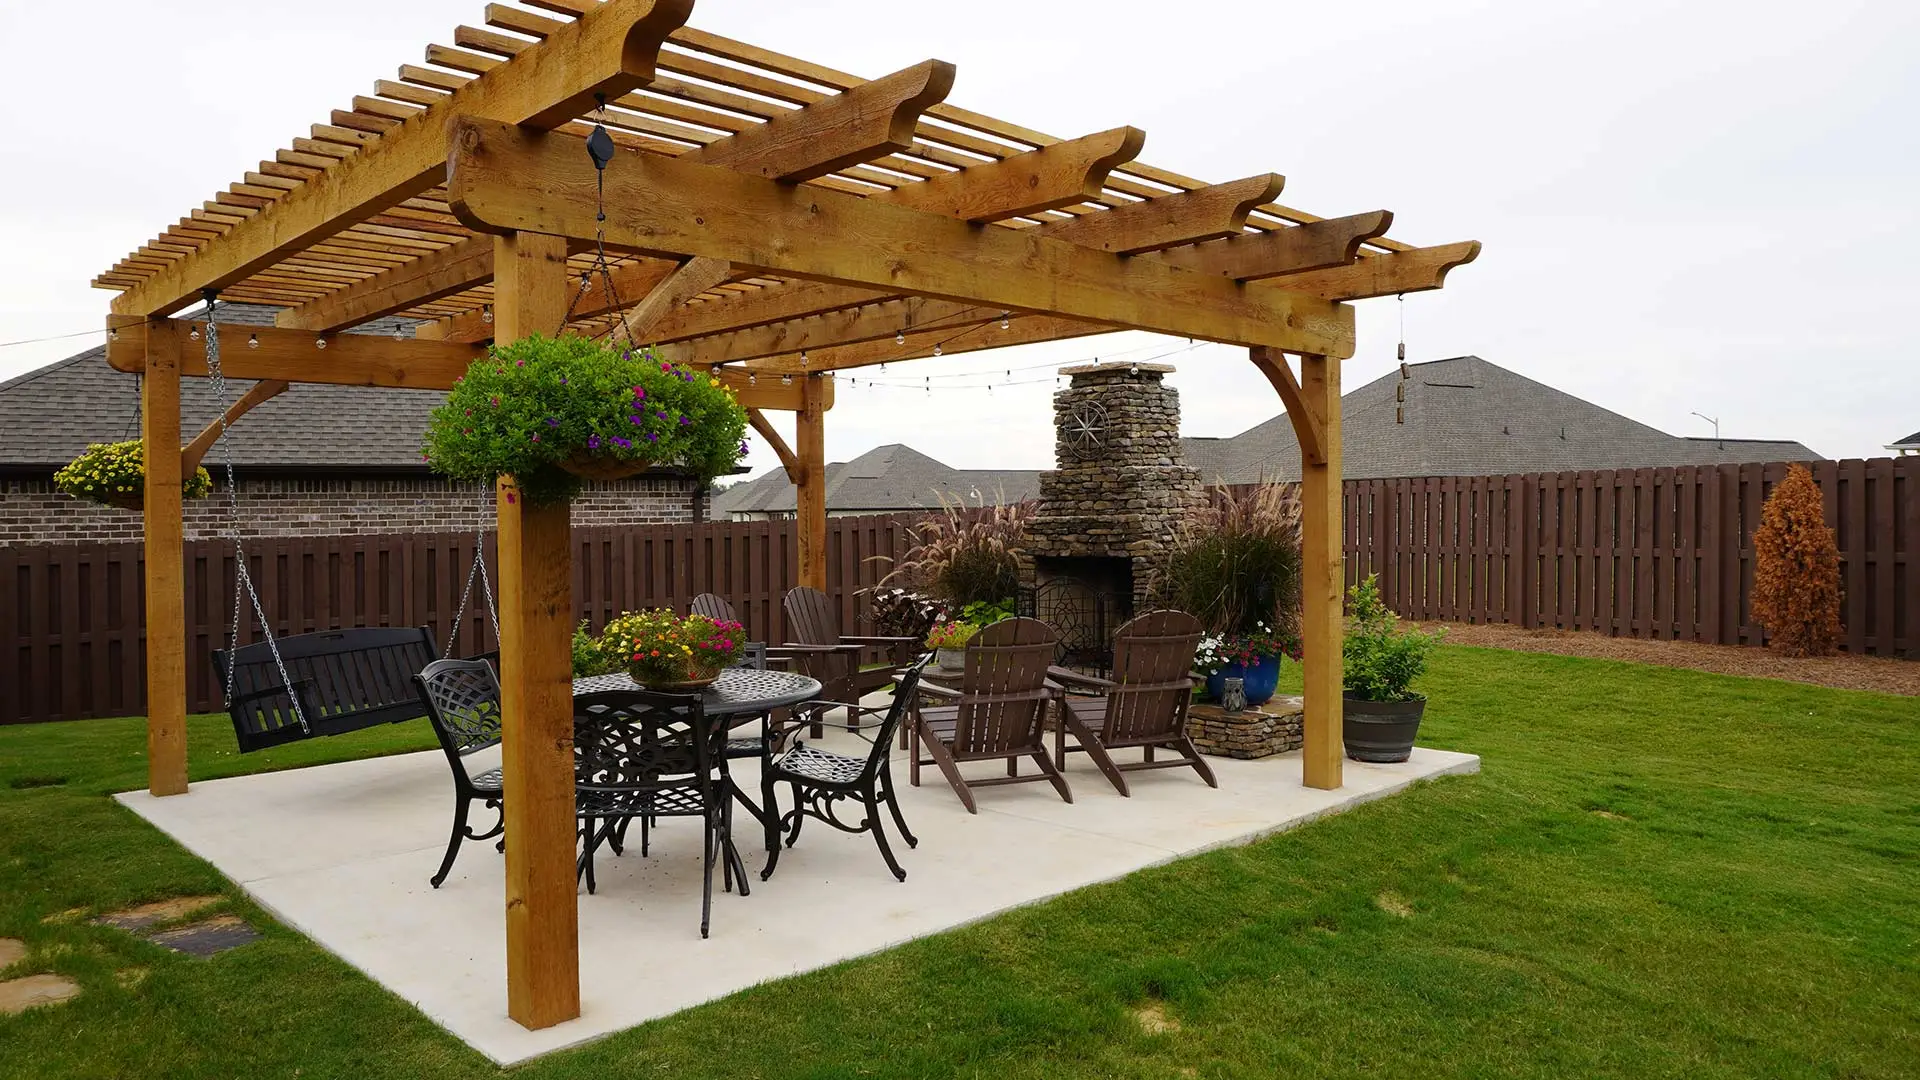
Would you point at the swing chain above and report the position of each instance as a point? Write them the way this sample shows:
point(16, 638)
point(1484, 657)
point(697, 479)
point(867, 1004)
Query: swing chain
point(477, 570)
point(243, 578)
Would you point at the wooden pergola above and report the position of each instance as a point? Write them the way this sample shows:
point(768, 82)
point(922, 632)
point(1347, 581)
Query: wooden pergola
point(776, 221)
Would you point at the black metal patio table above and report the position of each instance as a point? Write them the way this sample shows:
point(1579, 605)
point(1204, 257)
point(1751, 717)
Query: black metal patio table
point(739, 695)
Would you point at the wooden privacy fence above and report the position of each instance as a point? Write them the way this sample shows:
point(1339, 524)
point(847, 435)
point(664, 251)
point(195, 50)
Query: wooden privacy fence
point(1652, 553)
point(1649, 553)
point(72, 639)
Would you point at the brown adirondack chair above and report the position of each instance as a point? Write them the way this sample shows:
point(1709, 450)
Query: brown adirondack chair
point(997, 713)
point(821, 651)
point(1145, 703)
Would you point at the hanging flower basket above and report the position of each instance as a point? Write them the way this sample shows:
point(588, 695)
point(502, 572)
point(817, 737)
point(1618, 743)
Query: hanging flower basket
point(115, 474)
point(664, 652)
point(589, 467)
point(555, 412)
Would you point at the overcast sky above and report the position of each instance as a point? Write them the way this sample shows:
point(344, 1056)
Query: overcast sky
point(1686, 206)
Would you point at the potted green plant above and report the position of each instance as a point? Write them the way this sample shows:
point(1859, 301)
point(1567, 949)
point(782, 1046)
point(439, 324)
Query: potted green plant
point(663, 651)
point(115, 474)
point(1253, 657)
point(1380, 662)
point(948, 640)
point(554, 412)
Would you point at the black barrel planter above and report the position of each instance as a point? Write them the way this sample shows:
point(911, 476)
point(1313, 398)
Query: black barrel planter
point(1381, 731)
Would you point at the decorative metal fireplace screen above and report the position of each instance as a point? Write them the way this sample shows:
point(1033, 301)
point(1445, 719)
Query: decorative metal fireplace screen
point(1084, 614)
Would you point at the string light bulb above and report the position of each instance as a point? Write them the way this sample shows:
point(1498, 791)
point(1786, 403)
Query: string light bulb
point(320, 343)
point(786, 380)
point(113, 335)
point(1005, 321)
point(486, 314)
point(752, 379)
point(194, 334)
point(900, 338)
point(253, 341)
point(936, 350)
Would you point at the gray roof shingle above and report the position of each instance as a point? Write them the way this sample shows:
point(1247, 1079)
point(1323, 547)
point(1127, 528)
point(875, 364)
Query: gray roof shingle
point(1467, 417)
point(886, 478)
point(49, 415)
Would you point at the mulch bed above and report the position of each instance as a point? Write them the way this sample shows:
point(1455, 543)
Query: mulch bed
point(1844, 671)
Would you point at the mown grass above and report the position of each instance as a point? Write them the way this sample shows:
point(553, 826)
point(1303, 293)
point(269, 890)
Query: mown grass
point(1658, 873)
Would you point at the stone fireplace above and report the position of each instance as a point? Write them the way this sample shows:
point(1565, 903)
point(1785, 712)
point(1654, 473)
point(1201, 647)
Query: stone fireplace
point(1106, 512)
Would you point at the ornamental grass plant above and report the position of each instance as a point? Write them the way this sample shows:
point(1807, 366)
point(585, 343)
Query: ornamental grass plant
point(116, 474)
point(534, 408)
point(964, 554)
point(1235, 563)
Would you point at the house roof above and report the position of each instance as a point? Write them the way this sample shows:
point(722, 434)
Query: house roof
point(1909, 442)
point(1466, 417)
point(49, 415)
point(886, 478)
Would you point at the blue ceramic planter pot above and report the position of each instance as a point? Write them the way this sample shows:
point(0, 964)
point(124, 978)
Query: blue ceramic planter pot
point(1260, 679)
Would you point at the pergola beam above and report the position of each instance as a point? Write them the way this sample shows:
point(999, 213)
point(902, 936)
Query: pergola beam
point(503, 178)
point(1145, 228)
point(1322, 245)
point(264, 352)
point(1414, 270)
point(608, 50)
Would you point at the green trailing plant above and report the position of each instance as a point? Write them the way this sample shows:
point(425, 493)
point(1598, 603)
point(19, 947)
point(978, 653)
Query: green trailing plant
point(1380, 660)
point(1235, 562)
point(588, 658)
point(536, 407)
point(116, 474)
point(987, 612)
point(965, 554)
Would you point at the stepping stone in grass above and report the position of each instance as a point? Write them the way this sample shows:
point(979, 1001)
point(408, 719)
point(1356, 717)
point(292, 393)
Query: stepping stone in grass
point(218, 934)
point(140, 918)
point(12, 951)
point(19, 995)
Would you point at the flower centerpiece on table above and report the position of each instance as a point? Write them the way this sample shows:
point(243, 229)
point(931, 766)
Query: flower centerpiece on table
point(663, 651)
point(553, 412)
point(115, 474)
point(1252, 657)
point(949, 640)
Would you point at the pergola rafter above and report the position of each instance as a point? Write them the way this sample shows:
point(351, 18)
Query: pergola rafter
point(768, 218)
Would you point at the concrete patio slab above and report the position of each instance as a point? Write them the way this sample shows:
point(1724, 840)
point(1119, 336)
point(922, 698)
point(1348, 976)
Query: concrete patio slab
point(343, 852)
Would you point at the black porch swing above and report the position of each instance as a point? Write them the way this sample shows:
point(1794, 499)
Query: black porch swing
point(327, 682)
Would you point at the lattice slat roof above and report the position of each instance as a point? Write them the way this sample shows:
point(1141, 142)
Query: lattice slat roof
point(708, 88)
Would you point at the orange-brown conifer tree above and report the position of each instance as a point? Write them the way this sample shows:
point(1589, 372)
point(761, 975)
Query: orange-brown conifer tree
point(1796, 569)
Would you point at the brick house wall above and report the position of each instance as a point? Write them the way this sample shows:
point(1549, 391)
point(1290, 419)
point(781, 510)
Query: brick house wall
point(32, 512)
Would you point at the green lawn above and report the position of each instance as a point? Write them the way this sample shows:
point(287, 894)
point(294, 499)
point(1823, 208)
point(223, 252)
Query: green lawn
point(1658, 873)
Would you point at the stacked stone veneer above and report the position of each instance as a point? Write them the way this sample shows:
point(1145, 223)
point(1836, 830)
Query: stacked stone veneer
point(32, 512)
point(1256, 732)
point(1126, 498)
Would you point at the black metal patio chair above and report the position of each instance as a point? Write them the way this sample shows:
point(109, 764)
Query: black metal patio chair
point(462, 700)
point(821, 779)
point(650, 756)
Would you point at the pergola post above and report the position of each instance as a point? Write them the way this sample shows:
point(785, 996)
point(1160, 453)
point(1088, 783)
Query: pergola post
point(536, 622)
point(810, 486)
point(165, 570)
point(1322, 582)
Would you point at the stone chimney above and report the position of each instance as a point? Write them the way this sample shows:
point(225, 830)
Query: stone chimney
point(1105, 515)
